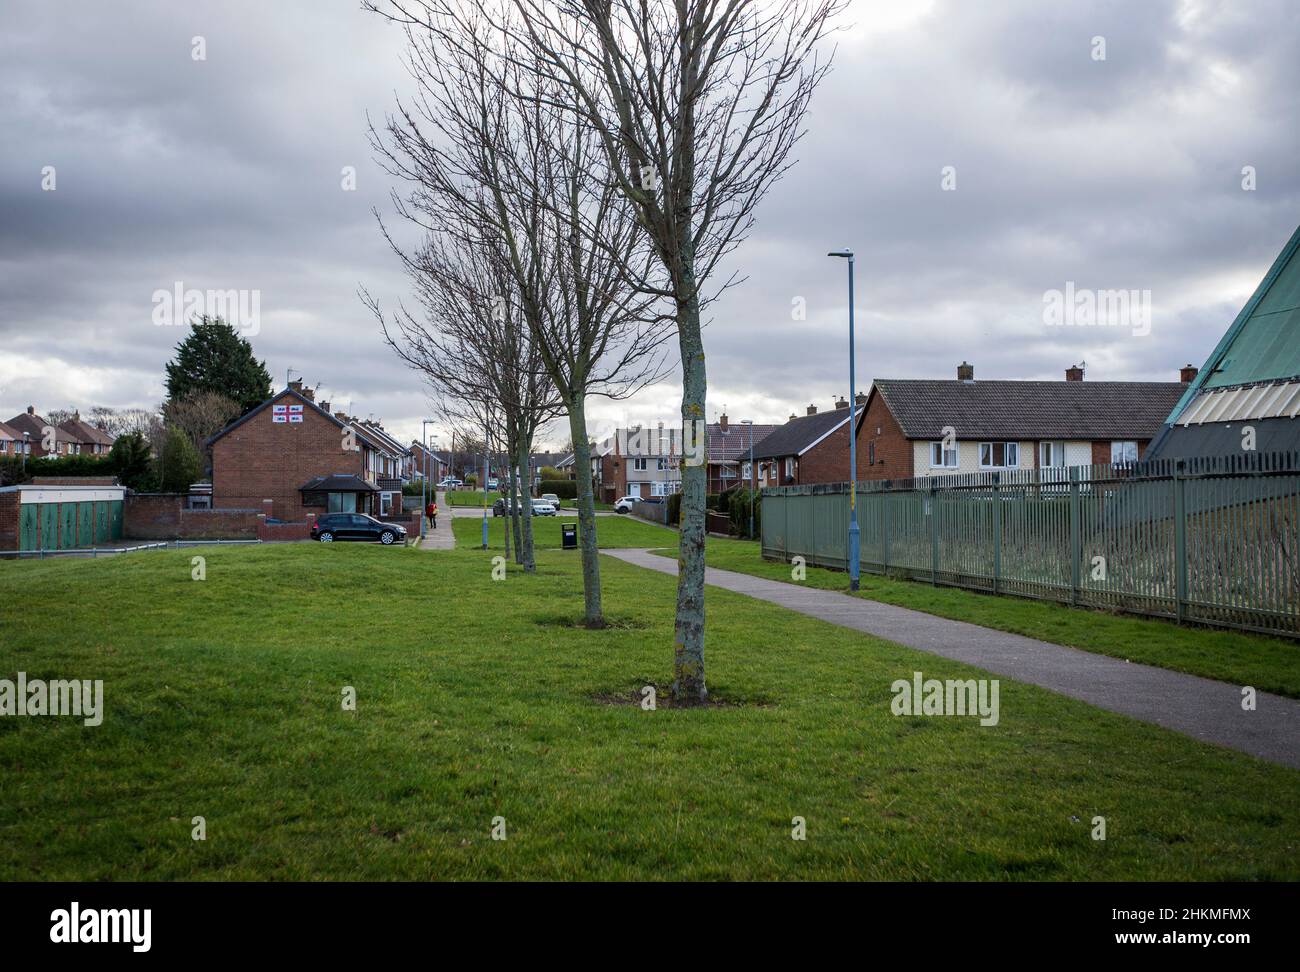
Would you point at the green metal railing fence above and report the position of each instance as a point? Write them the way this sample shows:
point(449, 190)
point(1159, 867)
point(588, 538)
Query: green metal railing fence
point(1214, 540)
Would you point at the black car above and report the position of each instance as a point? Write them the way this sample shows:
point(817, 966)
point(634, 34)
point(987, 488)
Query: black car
point(355, 526)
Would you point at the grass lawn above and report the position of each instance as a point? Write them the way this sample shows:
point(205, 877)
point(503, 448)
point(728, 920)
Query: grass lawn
point(478, 699)
point(622, 531)
point(471, 497)
point(1269, 664)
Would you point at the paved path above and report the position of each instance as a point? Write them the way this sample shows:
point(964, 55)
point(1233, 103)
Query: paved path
point(442, 538)
point(1199, 707)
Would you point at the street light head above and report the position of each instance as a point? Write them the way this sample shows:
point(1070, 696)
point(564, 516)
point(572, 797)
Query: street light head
point(846, 253)
point(746, 421)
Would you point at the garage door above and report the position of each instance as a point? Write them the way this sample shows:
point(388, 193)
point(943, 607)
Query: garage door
point(85, 524)
point(27, 527)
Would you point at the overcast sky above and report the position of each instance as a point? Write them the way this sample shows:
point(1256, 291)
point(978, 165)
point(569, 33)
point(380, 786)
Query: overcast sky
point(226, 173)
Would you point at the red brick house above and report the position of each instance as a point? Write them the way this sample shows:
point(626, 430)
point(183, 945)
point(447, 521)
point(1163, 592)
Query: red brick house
point(11, 441)
point(728, 452)
point(810, 448)
point(89, 440)
point(916, 428)
point(34, 425)
point(289, 457)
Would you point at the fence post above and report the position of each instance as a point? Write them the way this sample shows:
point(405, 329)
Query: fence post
point(1180, 542)
point(934, 536)
point(997, 532)
point(884, 531)
point(1076, 540)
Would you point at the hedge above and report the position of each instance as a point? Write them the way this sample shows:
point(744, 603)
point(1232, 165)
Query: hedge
point(739, 511)
point(563, 488)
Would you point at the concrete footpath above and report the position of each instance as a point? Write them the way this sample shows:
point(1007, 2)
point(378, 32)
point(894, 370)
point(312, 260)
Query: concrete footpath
point(1198, 707)
point(442, 538)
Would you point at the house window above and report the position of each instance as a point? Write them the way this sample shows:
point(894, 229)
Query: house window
point(727, 472)
point(661, 464)
point(871, 453)
point(999, 455)
point(1121, 452)
point(639, 465)
point(1051, 454)
point(314, 499)
point(746, 471)
point(789, 466)
point(343, 502)
point(941, 458)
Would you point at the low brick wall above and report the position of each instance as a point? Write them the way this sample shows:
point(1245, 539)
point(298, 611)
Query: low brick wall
point(285, 531)
point(9, 520)
point(162, 516)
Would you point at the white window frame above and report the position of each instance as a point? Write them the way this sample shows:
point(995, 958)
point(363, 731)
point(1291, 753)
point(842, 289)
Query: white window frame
point(1007, 448)
point(1120, 460)
point(639, 465)
point(937, 449)
point(1051, 454)
point(661, 464)
point(746, 471)
point(789, 466)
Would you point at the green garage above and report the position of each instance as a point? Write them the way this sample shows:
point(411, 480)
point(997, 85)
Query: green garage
point(62, 517)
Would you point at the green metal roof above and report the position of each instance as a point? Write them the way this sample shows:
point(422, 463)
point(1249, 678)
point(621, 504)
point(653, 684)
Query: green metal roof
point(1263, 343)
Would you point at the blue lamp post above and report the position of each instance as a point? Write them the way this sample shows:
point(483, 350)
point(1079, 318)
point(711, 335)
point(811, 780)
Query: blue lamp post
point(853, 438)
point(486, 432)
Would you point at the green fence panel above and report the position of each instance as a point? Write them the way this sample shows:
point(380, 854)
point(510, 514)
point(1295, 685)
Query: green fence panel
point(1212, 540)
point(27, 526)
point(115, 520)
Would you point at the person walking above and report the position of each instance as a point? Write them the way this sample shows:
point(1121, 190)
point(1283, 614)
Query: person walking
point(431, 511)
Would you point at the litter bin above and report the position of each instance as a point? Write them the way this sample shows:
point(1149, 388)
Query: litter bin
point(569, 536)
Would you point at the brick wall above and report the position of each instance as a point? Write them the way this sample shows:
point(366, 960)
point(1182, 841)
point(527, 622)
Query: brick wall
point(262, 460)
point(894, 454)
point(162, 516)
point(9, 520)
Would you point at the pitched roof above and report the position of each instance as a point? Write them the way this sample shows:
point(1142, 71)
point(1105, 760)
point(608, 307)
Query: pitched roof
point(35, 425)
point(1029, 409)
point(798, 434)
point(372, 434)
point(337, 483)
point(85, 433)
point(734, 443)
point(8, 432)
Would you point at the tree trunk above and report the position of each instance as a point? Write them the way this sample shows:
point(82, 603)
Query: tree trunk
point(688, 662)
point(505, 532)
point(525, 503)
point(513, 514)
point(593, 615)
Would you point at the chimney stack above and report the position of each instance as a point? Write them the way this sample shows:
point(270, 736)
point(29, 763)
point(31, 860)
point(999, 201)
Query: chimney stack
point(1074, 373)
point(812, 410)
point(325, 407)
point(861, 399)
point(965, 372)
point(793, 416)
point(722, 421)
point(841, 402)
point(296, 385)
point(1187, 374)
point(309, 394)
point(31, 409)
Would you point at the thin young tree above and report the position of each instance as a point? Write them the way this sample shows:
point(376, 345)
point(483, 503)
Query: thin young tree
point(698, 105)
point(470, 343)
point(491, 149)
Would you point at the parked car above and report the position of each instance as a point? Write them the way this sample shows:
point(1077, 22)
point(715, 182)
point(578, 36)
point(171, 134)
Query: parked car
point(624, 504)
point(492, 483)
point(500, 508)
point(552, 499)
point(450, 483)
point(543, 508)
point(355, 526)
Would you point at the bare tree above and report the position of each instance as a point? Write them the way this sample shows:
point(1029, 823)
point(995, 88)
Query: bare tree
point(200, 415)
point(469, 342)
point(698, 105)
point(493, 153)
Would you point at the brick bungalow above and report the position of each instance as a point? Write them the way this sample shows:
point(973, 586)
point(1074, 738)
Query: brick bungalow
point(916, 428)
point(290, 457)
point(810, 448)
